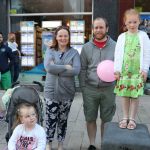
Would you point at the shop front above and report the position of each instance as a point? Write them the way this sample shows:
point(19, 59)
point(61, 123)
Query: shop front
point(34, 23)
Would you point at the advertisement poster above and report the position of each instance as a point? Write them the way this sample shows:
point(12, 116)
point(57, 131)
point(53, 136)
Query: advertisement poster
point(27, 38)
point(77, 25)
point(27, 26)
point(47, 37)
point(27, 49)
point(77, 38)
point(145, 23)
point(28, 61)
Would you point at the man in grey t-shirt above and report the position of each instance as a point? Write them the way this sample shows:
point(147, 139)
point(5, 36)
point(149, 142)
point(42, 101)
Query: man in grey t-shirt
point(97, 93)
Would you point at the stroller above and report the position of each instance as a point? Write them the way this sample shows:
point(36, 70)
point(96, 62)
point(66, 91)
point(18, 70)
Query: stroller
point(23, 94)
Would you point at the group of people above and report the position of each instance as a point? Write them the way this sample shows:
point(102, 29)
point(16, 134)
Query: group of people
point(130, 54)
point(9, 61)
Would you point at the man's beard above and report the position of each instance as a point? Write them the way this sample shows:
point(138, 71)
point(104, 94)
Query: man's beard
point(101, 38)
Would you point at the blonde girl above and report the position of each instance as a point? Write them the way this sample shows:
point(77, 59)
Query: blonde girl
point(27, 133)
point(132, 59)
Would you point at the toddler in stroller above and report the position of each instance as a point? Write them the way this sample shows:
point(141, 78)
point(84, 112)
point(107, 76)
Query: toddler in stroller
point(24, 110)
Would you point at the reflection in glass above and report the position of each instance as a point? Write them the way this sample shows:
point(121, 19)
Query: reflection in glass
point(51, 6)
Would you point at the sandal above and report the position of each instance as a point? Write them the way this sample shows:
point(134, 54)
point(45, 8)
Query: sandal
point(131, 124)
point(123, 123)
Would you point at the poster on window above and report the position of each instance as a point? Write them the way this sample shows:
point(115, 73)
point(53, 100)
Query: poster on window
point(77, 38)
point(145, 23)
point(27, 38)
point(27, 61)
point(47, 37)
point(77, 25)
point(27, 49)
point(27, 26)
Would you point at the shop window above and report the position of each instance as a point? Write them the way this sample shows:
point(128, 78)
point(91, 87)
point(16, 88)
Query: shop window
point(50, 6)
point(30, 40)
point(142, 5)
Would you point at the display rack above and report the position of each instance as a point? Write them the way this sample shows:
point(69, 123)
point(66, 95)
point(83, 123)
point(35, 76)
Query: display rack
point(27, 43)
point(77, 30)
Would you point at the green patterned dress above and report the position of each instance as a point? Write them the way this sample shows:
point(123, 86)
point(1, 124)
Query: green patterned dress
point(130, 83)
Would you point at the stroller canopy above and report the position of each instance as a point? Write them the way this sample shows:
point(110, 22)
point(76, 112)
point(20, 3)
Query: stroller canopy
point(23, 94)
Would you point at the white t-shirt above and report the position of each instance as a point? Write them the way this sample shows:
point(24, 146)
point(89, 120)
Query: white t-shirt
point(13, 46)
point(27, 140)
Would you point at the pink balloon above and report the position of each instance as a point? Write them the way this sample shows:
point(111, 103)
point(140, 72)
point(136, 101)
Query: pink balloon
point(105, 71)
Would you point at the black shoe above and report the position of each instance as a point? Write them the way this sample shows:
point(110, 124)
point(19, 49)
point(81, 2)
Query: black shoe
point(91, 147)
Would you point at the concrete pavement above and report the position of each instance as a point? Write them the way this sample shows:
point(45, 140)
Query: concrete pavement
point(76, 138)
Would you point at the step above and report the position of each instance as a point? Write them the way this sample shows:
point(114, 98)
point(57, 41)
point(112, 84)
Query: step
point(116, 138)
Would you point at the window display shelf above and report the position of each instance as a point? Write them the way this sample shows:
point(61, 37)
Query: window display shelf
point(27, 43)
point(77, 32)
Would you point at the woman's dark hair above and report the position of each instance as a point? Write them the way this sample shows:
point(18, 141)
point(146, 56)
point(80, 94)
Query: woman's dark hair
point(54, 42)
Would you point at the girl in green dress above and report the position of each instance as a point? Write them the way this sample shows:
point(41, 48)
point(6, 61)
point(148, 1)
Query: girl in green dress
point(131, 65)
